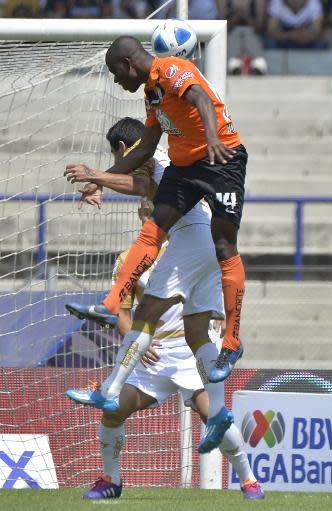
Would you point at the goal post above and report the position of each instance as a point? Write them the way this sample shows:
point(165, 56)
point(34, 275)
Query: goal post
point(211, 32)
point(57, 102)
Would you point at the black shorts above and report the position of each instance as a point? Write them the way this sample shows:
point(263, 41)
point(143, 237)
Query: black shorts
point(222, 185)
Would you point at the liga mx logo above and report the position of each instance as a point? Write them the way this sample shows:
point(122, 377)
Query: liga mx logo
point(269, 426)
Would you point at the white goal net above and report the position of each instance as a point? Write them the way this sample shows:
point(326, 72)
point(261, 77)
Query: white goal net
point(57, 102)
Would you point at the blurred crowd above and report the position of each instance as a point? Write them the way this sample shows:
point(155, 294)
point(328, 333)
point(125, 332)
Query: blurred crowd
point(252, 24)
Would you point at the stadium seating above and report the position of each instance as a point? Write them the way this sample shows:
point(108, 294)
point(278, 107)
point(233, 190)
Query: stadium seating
point(285, 123)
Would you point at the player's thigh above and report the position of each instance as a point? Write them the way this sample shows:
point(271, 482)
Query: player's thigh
point(152, 308)
point(131, 400)
point(177, 190)
point(156, 381)
point(165, 216)
point(189, 256)
point(226, 183)
point(196, 327)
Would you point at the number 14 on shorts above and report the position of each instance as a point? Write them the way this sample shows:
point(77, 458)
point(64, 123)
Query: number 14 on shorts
point(227, 199)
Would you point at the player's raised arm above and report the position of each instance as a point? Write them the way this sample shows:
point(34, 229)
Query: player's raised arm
point(216, 150)
point(79, 172)
point(121, 183)
point(142, 152)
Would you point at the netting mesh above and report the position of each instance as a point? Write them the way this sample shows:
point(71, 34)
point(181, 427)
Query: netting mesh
point(57, 102)
point(33, 402)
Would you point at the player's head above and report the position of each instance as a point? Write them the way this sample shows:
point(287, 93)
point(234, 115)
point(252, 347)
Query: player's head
point(129, 62)
point(123, 135)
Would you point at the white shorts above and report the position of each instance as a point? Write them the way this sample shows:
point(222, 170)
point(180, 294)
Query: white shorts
point(175, 371)
point(189, 269)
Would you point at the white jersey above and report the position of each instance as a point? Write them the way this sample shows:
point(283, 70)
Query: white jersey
point(170, 330)
point(188, 268)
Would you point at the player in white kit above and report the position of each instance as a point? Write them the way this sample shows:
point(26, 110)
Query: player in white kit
point(169, 367)
point(180, 276)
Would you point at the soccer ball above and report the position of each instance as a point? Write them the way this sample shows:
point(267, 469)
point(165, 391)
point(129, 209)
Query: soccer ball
point(174, 38)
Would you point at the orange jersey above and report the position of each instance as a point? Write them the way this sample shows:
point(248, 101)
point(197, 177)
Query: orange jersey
point(169, 79)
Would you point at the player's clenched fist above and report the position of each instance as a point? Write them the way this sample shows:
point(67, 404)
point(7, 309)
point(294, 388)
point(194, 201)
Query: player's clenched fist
point(78, 173)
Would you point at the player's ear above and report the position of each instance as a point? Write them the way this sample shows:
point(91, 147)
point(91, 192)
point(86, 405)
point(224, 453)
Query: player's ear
point(127, 62)
point(122, 147)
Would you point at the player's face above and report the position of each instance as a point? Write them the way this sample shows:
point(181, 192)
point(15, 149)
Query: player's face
point(124, 74)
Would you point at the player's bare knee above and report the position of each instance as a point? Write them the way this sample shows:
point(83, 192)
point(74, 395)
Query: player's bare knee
point(225, 249)
point(148, 310)
point(196, 327)
point(224, 235)
point(151, 308)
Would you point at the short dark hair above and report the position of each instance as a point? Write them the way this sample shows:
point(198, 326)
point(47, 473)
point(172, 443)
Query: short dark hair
point(128, 130)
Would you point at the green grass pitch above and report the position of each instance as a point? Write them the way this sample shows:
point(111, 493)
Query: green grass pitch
point(160, 499)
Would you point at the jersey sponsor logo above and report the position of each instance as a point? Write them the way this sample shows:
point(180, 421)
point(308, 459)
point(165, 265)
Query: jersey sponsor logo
point(171, 71)
point(131, 352)
point(182, 78)
point(230, 128)
point(238, 306)
point(142, 266)
point(166, 124)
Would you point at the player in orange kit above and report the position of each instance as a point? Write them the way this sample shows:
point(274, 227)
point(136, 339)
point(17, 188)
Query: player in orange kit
point(207, 160)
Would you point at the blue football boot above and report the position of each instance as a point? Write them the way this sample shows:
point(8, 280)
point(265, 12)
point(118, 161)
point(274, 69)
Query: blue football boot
point(225, 363)
point(215, 429)
point(92, 396)
point(97, 313)
point(103, 488)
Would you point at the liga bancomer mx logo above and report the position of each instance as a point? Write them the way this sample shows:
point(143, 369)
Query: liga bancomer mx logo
point(257, 425)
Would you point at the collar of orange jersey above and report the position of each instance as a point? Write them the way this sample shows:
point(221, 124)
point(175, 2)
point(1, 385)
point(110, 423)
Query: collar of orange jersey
point(129, 149)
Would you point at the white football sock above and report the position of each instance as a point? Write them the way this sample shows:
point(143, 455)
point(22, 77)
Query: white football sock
point(206, 356)
point(111, 443)
point(135, 344)
point(232, 447)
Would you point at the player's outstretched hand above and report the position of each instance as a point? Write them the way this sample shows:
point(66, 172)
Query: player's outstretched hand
point(78, 173)
point(219, 152)
point(91, 194)
point(151, 356)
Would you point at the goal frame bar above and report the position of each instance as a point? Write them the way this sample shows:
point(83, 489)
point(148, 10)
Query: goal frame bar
point(212, 32)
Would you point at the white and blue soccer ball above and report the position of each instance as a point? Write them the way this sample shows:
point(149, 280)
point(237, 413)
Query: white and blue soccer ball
point(174, 38)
